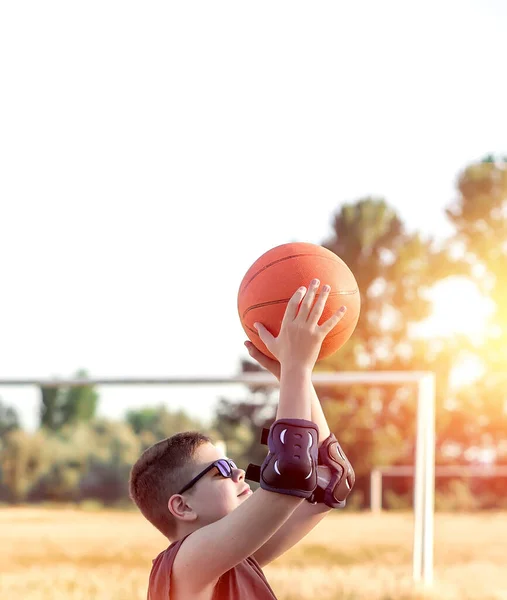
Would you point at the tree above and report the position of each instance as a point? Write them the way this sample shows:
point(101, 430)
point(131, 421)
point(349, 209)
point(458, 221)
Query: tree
point(89, 460)
point(9, 419)
point(394, 269)
point(61, 406)
point(110, 449)
point(156, 423)
point(479, 214)
point(24, 457)
point(239, 424)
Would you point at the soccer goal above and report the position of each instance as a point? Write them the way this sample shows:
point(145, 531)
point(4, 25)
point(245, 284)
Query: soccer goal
point(423, 469)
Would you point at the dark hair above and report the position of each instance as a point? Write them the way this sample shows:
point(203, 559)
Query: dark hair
point(159, 473)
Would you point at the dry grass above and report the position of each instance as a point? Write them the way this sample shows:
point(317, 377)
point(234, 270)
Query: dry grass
point(75, 555)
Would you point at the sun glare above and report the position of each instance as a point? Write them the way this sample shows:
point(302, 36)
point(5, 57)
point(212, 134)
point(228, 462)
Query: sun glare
point(458, 308)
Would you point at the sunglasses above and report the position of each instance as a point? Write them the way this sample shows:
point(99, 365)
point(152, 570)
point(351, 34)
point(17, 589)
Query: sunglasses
point(225, 466)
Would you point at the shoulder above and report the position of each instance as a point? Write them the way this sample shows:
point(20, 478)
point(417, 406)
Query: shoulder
point(161, 572)
point(168, 554)
point(179, 566)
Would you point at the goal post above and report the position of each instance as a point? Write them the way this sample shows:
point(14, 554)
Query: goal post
point(424, 467)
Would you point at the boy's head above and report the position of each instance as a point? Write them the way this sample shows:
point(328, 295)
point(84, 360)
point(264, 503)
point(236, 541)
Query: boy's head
point(158, 478)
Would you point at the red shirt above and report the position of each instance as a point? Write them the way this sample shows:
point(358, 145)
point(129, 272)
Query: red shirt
point(245, 581)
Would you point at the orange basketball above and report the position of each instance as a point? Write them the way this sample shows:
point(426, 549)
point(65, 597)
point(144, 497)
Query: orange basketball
point(274, 277)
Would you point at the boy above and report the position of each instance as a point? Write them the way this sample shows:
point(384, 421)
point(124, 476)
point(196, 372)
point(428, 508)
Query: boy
point(223, 534)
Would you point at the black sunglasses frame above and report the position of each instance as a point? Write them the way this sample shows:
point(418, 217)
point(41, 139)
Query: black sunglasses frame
point(231, 465)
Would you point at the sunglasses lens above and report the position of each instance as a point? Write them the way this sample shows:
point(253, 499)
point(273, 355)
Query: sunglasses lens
point(224, 468)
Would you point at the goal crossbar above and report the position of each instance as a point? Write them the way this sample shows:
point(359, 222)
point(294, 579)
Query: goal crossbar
point(424, 468)
point(261, 378)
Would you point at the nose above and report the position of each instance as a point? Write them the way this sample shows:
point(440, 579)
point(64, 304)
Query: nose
point(238, 475)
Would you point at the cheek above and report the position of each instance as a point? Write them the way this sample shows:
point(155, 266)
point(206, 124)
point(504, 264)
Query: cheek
point(226, 494)
point(218, 498)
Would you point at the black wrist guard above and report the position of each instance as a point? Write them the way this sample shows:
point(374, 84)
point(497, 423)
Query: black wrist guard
point(332, 456)
point(291, 464)
point(342, 475)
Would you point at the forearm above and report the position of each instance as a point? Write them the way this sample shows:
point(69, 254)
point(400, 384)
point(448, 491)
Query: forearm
point(295, 394)
point(291, 392)
point(300, 523)
point(318, 417)
point(305, 518)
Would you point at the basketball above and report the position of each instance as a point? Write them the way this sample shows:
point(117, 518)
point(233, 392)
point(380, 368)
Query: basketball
point(275, 276)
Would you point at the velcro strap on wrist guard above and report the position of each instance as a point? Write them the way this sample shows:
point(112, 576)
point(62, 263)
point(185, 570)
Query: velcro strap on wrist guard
point(342, 475)
point(291, 464)
point(253, 472)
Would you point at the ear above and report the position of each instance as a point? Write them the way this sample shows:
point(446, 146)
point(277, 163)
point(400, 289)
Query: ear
point(180, 508)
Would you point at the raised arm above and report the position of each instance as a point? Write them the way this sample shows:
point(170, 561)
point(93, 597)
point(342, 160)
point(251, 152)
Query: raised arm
point(240, 533)
point(273, 366)
point(307, 515)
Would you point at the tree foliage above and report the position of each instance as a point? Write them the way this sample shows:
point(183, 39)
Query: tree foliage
point(479, 214)
point(62, 406)
point(9, 419)
point(153, 424)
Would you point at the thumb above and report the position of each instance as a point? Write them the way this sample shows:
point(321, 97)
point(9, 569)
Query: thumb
point(273, 366)
point(264, 334)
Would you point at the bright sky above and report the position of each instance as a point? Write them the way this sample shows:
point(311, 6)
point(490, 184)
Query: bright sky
point(150, 152)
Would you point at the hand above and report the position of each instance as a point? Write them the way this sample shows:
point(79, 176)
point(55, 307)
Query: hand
point(300, 338)
point(273, 366)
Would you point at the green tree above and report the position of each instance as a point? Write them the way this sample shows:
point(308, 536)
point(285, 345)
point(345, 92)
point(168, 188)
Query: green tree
point(24, 457)
point(158, 422)
point(89, 460)
point(110, 449)
point(9, 419)
point(61, 406)
point(395, 269)
point(479, 214)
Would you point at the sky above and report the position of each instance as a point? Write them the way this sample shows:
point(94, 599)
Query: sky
point(151, 152)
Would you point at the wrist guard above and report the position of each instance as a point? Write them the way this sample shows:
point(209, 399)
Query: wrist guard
point(342, 475)
point(331, 455)
point(291, 464)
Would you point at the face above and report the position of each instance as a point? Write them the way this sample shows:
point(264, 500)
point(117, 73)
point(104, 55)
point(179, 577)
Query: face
point(214, 496)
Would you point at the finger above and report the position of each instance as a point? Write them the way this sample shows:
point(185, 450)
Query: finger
point(257, 355)
point(333, 320)
point(318, 309)
point(307, 303)
point(273, 366)
point(265, 336)
point(293, 305)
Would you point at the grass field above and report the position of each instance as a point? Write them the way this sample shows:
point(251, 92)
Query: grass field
point(48, 554)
